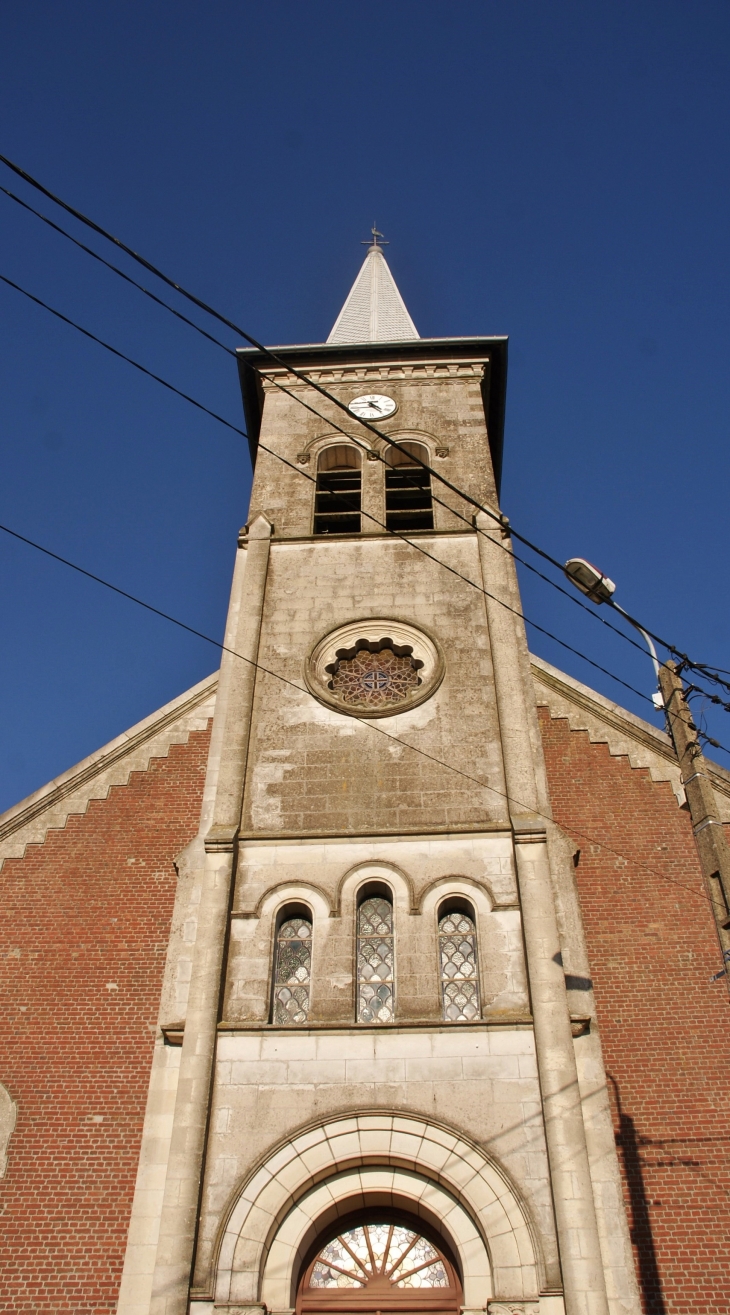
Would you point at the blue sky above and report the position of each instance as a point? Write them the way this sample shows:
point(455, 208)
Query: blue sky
point(557, 172)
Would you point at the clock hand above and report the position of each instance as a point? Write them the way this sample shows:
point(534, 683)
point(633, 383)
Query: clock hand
point(374, 406)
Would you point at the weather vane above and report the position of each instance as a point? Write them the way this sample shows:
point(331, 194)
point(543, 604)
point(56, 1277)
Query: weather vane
point(375, 245)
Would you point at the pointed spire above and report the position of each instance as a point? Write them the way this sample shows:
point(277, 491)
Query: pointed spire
point(374, 310)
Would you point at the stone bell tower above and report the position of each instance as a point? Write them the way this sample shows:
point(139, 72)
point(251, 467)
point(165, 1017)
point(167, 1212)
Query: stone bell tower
point(382, 1100)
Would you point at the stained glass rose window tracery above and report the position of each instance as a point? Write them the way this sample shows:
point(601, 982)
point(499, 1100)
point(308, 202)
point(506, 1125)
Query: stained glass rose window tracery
point(374, 667)
point(376, 1252)
point(375, 978)
point(292, 968)
point(374, 675)
point(458, 967)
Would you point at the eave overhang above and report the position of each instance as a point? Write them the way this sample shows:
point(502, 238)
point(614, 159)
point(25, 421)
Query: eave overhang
point(492, 351)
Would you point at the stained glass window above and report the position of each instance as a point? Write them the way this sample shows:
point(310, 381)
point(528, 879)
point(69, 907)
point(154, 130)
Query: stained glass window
point(372, 680)
point(375, 984)
point(292, 971)
point(458, 967)
point(377, 1251)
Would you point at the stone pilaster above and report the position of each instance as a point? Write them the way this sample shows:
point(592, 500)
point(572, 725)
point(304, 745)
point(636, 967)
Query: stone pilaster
point(224, 791)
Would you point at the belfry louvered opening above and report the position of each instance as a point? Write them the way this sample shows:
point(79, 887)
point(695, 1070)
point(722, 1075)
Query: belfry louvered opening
point(408, 504)
point(337, 498)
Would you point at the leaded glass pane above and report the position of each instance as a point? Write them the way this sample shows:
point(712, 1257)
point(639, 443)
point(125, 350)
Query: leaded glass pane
point(375, 961)
point(434, 1276)
point(372, 680)
point(458, 966)
point(401, 1241)
point(292, 971)
point(377, 1251)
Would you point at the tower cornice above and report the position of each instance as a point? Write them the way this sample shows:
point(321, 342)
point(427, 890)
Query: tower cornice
point(489, 352)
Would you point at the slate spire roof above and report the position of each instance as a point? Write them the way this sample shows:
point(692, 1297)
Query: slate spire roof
point(374, 310)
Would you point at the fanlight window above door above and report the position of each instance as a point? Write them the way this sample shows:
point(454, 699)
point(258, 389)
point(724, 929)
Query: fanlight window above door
point(382, 1256)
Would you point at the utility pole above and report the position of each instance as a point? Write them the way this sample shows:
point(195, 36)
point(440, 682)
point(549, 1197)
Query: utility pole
point(709, 833)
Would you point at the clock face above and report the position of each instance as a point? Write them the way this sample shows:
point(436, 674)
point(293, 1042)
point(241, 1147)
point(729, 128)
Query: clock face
point(373, 406)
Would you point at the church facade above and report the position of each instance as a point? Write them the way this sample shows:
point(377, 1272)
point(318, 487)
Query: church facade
point(372, 974)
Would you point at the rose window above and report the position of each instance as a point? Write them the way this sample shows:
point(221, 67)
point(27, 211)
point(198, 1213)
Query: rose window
point(374, 667)
point(367, 679)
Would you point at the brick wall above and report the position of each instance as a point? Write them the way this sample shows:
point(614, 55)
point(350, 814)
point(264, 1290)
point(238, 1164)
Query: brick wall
point(85, 926)
point(664, 1028)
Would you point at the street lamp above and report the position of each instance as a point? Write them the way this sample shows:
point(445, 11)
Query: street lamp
point(709, 834)
point(597, 586)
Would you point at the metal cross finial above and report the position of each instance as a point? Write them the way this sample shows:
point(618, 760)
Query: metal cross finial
point(375, 245)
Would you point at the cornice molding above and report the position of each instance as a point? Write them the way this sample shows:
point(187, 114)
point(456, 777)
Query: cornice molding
point(424, 371)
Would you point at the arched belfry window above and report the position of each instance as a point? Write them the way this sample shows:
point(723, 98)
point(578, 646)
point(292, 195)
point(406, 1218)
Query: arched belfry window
point(408, 504)
point(292, 969)
point(458, 966)
point(338, 493)
point(375, 960)
point(380, 1264)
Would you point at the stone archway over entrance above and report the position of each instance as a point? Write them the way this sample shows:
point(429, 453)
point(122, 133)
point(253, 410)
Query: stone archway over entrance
point(377, 1160)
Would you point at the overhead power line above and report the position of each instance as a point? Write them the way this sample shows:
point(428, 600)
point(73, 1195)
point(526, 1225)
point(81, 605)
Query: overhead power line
point(570, 595)
point(370, 725)
point(301, 375)
point(122, 356)
point(393, 533)
point(396, 534)
point(116, 270)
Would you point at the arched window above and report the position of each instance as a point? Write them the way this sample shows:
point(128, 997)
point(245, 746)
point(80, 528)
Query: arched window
point(458, 966)
point(292, 970)
point(338, 492)
point(375, 961)
point(408, 503)
point(380, 1264)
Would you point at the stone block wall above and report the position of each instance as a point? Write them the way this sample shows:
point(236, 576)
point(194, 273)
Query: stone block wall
point(310, 770)
point(664, 1027)
point(85, 929)
point(439, 405)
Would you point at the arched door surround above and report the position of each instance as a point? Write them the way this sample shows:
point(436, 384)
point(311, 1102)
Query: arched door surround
point(378, 1161)
point(379, 1260)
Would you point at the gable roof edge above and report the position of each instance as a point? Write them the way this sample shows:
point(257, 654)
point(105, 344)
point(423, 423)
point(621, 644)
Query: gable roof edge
point(28, 821)
point(625, 733)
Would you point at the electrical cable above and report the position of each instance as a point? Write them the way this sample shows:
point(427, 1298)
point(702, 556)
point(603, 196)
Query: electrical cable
point(578, 602)
point(116, 270)
point(186, 397)
point(371, 725)
point(235, 428)
point(501, 519)
point(304, 378)
point(115, 352)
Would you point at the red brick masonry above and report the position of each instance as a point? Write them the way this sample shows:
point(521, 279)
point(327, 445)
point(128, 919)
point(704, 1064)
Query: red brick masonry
point(85, 926)
point(664, 1027)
